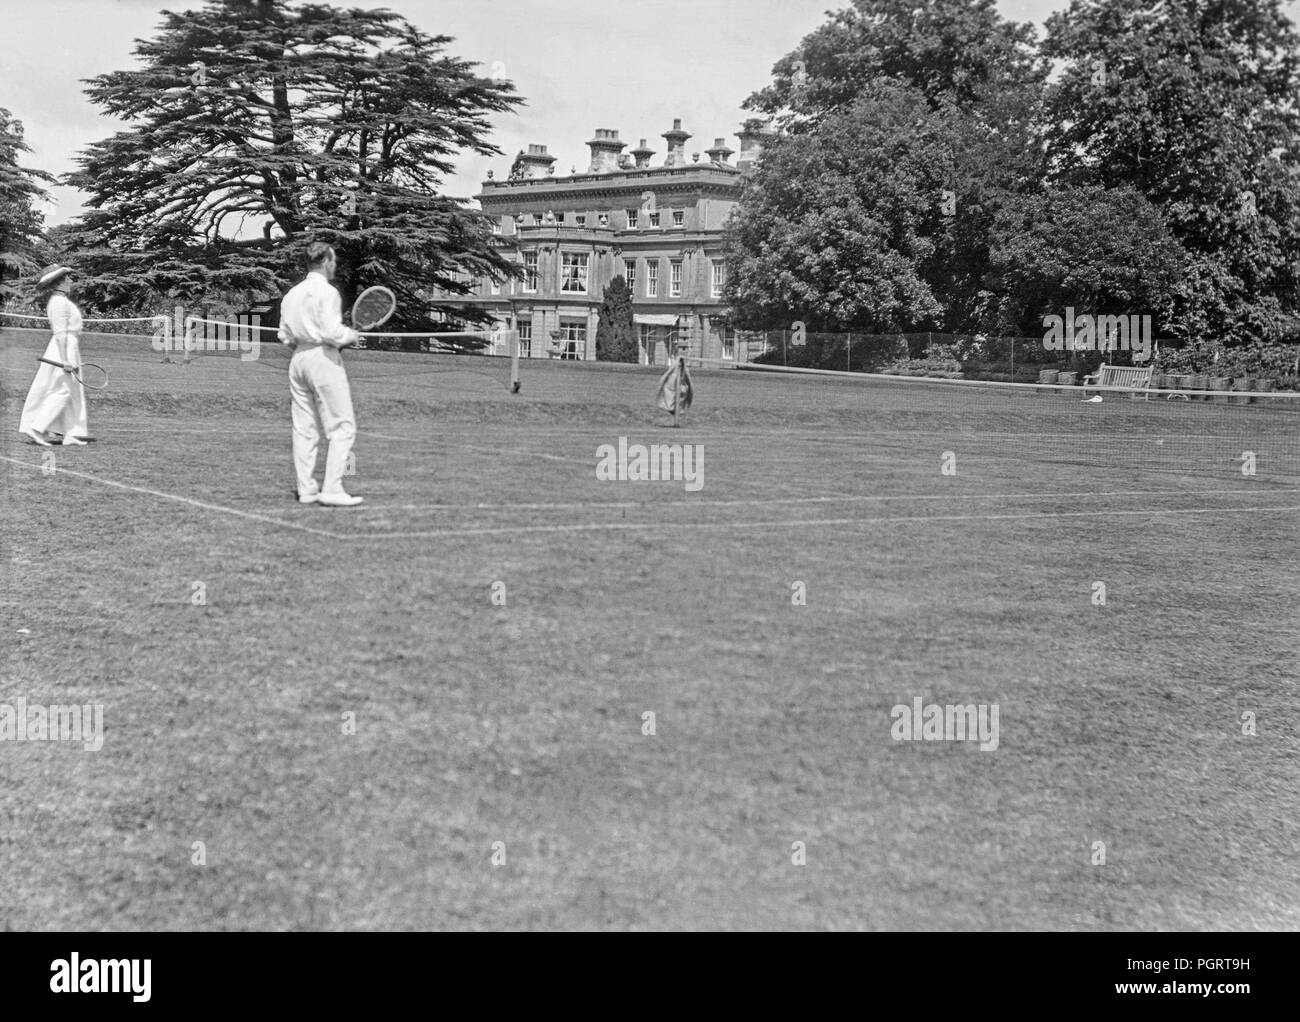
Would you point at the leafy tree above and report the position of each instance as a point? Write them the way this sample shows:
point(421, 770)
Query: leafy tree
point(991, 159)
point(1188, 105)
point(21, 224)
point(956, 52)
point(1100, 251)
point(905, 127)
point(257, 127)
point(615, 330)
point(835, 224)
point(1192, 104)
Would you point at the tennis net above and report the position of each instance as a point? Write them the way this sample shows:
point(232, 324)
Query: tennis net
point(491, 356)
point(119, 340)
point(112, 325)
point(1220, 433)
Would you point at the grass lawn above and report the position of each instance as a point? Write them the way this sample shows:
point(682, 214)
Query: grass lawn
point(522, 724)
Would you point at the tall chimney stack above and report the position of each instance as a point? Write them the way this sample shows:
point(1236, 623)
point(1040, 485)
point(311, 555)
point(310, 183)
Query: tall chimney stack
point(720, 152)
point(642, 155)
point(605, 148)
point(536, 162)
point(753, 135)
point(676, 145)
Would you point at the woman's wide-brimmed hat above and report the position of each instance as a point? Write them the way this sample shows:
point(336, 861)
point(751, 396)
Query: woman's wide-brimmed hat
point(52, 274)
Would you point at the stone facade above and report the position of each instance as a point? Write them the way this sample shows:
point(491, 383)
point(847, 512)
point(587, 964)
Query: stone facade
point(658, 226)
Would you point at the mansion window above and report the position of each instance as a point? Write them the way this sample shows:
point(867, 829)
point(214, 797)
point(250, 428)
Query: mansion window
point(679, 217)
point(525, 340)
point(574, 273)
point(719, 279)
point(629, 274)
point(647, 340)
point(530, 271)
point(728, 342)
point(652, 278)
point(573, 339)
point(633, 217)
point(675, 279)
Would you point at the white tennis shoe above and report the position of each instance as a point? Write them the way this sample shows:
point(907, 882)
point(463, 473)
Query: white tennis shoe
point(338, 499)
point(36, 436)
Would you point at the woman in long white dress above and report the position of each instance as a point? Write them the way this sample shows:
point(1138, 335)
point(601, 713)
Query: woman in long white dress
point(56, 402)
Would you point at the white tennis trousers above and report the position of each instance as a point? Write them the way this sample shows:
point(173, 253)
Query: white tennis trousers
point(322, 403)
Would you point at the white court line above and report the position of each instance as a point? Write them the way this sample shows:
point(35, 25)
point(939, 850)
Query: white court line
point(211, 431)
point(651, 505)
point(640, 526)
point(803, 523)
point(254, 516)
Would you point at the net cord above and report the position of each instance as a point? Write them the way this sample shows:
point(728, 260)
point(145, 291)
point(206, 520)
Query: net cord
point(988, 385)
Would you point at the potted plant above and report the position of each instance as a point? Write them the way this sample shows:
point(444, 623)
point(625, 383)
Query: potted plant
point(1195, 364)
point(1167, 373)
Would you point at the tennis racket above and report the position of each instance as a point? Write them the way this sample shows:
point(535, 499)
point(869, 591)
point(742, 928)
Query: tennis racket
point(373, 308)
point(88, 374)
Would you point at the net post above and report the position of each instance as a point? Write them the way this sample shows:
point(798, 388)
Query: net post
point(162, 329)
point(512, 343)
point(677, 387)
point(677, 394)
point(187, 341)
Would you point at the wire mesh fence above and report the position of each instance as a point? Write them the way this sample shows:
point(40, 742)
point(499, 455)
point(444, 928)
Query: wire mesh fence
point(1010, 359)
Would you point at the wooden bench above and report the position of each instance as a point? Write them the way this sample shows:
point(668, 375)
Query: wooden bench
point(1122, 376)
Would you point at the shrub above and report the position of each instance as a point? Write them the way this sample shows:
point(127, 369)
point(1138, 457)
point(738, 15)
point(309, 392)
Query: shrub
point(1269, 360)
point(948, 369)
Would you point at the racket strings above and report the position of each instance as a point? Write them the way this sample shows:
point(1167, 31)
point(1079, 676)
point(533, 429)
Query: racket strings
point(373, 307)
point(92, 375)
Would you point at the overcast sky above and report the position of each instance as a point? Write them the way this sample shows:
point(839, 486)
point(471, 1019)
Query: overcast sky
point(632, 65)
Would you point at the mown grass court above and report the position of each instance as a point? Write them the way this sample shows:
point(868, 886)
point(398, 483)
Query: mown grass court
point(478, 724)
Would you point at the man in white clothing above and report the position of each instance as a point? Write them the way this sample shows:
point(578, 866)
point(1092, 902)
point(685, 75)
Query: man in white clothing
point(311, 324)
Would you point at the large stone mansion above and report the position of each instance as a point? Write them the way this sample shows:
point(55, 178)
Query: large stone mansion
point(660, 227)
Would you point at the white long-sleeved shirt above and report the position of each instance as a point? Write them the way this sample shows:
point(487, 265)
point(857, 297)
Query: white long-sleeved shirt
point(311, 313)
point(65, 321)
